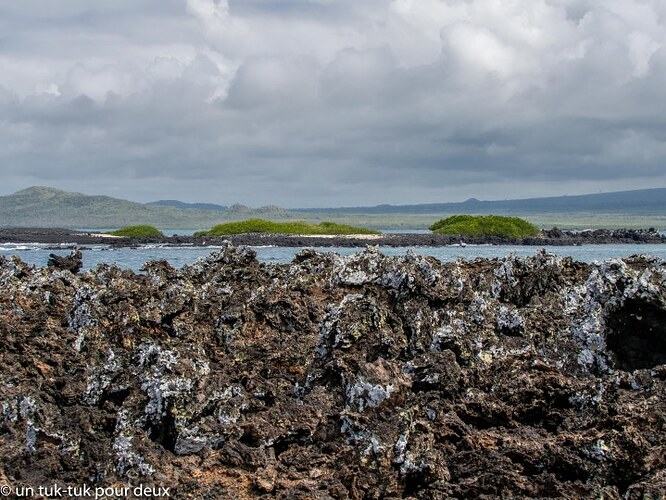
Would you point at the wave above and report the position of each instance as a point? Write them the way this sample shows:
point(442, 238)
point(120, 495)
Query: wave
point(10, 247)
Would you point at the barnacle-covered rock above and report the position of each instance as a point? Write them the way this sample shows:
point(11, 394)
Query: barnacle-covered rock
point(338, 377)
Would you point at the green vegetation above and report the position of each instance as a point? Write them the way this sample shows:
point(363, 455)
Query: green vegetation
point(485, 225)
point(296, 227)
point(138, 232)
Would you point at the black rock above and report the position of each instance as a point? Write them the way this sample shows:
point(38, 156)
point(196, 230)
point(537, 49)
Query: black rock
point(72, 262)
point(360, 376)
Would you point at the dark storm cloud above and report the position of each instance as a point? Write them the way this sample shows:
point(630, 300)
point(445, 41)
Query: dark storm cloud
point(308, 102)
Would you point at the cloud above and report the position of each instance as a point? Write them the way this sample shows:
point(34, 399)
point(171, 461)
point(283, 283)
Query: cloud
point(315, 102)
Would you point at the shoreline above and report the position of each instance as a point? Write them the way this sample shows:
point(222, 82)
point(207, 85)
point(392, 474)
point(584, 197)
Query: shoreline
point(552, 237)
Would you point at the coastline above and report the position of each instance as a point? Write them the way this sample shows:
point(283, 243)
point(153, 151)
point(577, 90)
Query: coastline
point(552, 237)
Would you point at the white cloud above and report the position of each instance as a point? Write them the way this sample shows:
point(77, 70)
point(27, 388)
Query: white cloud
point(339, 102)
point(482, 50)
point(641, 49)
point(273, 82)
point(97, 83)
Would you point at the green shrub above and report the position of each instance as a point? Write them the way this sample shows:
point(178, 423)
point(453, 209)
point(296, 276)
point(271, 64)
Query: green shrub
point(138, 232)
point(295, 227)
point(485, 225)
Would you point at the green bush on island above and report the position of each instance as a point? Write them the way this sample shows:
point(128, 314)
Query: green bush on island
point(295, 227)
point(138, 232)
point(485, 225)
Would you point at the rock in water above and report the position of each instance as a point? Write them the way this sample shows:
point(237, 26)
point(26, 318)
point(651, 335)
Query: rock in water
point(338, 377)
point(72, 262)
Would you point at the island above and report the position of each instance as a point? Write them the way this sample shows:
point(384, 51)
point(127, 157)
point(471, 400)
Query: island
point(261, 226)
point(140, 231)
point(510, 228)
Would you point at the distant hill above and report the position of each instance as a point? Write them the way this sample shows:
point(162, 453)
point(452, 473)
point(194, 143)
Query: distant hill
point(48, 207)
point(267, 211)
point(236, 210)
point(181, 204)
point(637, 202)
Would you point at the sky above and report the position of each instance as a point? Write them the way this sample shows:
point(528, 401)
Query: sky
point(320, 103)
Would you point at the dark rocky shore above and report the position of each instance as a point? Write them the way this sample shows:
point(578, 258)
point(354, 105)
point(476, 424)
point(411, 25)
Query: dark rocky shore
point(551, 237)
point(338, 377)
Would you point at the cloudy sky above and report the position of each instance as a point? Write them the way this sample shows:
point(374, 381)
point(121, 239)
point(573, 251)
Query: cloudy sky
point(332, 102)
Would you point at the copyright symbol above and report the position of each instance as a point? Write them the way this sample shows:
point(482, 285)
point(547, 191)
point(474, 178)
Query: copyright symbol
point(5, 490)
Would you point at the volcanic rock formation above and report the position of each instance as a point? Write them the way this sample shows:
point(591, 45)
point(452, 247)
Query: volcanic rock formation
point(338, 377)
point(72, 262)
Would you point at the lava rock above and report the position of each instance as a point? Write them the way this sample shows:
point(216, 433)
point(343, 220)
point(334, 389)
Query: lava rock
point(72, 262)
point(363, 376)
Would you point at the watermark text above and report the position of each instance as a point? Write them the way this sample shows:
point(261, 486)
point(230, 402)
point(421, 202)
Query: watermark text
point(84, 491)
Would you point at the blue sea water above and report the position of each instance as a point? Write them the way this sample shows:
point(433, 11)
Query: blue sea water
point(134, 258)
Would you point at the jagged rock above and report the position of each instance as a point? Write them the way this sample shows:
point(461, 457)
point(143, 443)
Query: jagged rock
point(338, 377)
point(555, 232)
point(72, 262)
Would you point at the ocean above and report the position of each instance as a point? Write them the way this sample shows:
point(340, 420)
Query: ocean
point(134, 258)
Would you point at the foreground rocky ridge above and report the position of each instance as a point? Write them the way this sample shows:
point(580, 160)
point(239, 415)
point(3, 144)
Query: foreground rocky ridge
point(338, 377)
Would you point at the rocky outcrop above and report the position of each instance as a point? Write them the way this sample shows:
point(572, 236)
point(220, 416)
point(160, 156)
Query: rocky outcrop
point(338, 377)
point(72, 262)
